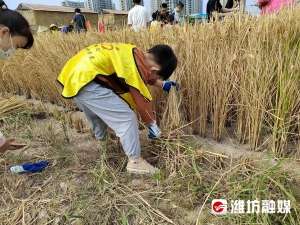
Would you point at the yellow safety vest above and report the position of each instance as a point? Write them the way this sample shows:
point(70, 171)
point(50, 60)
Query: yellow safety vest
point(103, 59)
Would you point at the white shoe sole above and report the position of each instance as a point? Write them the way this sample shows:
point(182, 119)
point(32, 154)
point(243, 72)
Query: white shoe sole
point(140, 172)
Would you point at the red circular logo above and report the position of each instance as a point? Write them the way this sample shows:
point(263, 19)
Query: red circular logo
point(218, 206)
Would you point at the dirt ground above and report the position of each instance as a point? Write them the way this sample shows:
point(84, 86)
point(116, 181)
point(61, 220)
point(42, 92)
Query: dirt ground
point(87, 183)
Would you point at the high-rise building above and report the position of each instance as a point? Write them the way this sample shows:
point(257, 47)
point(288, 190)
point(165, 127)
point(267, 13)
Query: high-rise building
point(98, 5)
point(197, 6)
point(126, 5)
point(73, 4)
point(172, 4)
point(190, 6)
point(155, 4)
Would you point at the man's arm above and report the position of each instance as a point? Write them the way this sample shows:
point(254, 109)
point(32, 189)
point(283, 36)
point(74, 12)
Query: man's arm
point(143, 106)
point(148, 18)
point(159, 83)
point(154, 15)
point(130, 19)
point(73, 19)
point(8, 144)
point(225, 10)
point(83, 22)
point(172, 18)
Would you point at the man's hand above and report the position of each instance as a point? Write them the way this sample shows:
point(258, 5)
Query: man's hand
point(154, 131)
point(9, 144)
point(168, 84)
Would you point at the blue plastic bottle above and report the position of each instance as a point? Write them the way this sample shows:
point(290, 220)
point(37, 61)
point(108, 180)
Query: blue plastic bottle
point(29, 167)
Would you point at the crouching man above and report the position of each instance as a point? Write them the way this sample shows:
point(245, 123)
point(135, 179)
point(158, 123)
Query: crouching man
point(108, 81)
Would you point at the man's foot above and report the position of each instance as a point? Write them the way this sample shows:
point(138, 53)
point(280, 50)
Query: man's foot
point(140, 166)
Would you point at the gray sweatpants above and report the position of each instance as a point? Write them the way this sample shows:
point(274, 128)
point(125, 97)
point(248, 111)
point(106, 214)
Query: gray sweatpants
point(103, 108)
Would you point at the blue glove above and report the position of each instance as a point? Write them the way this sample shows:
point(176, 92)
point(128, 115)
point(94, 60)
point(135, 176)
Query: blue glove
point(154, 131)
point(168, 84)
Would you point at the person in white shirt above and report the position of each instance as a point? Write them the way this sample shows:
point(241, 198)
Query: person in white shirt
point(138, 17)
point(177, 16)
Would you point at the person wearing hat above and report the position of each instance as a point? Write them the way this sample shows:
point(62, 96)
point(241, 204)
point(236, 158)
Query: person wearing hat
point(53, 28)
point(215, 10)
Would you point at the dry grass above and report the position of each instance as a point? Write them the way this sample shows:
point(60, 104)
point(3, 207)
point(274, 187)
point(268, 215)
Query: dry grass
point(11, 105)
point(240, 77)
point(86, 183)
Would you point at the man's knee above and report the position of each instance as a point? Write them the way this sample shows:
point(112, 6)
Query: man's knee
point(132, 122)
point(128, 127)
point(78, 103)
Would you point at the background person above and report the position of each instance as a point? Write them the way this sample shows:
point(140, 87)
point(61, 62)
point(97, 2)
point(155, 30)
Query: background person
point(53, 28)
point(216, 6)
point(274, 6)
point(67, 28)
point(162, 15)
point(177, 17)
point(232, 4)
point(14, 33)
point(79, 21)
point(138, 17)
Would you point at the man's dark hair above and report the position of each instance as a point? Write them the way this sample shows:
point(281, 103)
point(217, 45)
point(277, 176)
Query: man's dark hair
point(180, 4)
point(166, 58)
point(17, 25)
point(137, 1)
point(164, 5)
point(77, 10)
